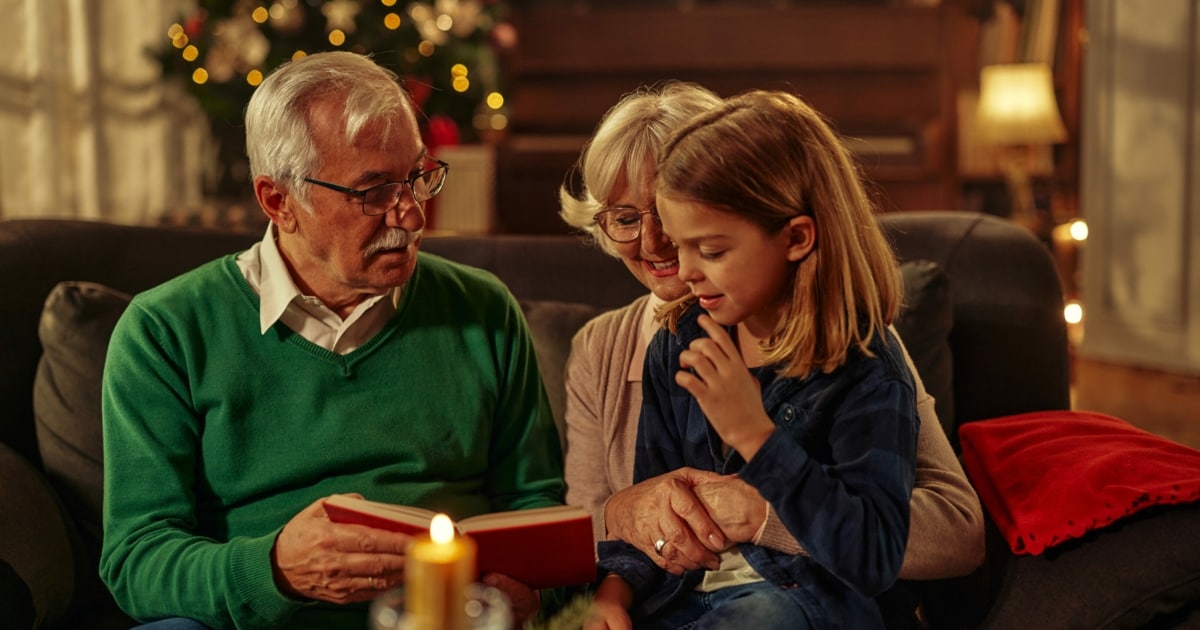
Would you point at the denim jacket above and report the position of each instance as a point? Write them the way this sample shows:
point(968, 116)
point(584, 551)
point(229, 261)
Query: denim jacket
point(838, 470)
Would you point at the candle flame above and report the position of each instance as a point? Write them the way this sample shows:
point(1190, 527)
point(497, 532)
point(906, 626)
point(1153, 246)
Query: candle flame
point(441, 530)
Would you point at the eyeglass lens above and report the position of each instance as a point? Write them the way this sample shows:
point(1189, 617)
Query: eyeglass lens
point(625, 224)
point(425, 186)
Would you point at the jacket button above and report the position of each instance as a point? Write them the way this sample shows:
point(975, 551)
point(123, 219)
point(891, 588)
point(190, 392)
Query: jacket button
point(789, 414)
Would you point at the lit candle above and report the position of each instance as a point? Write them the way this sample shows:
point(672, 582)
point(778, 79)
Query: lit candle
point(439, 568)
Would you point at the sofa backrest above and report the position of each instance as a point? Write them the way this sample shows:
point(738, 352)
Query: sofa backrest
point(1007, 341)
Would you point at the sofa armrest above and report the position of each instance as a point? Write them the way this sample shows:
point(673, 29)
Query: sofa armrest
point(34, 540)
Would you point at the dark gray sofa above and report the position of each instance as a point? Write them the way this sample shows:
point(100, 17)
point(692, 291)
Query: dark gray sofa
point(984, 325)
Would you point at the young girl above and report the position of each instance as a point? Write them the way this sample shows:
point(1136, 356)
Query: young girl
point(779, 367)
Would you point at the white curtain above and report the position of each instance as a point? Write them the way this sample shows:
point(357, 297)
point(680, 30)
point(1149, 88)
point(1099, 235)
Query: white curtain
point(87, 129)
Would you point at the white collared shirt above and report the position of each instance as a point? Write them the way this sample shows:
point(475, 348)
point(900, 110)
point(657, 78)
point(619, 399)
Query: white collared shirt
point(281, 300)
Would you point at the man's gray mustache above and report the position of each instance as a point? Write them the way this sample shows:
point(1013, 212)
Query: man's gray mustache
point(392, 239)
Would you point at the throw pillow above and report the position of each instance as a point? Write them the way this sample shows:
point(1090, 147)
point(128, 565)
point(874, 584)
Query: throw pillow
point(925, 321)
point(1052, 476)
point(77, 321)
point(552, 325)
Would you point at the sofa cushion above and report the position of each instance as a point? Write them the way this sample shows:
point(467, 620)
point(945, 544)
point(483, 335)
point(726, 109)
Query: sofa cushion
point(552, 325)
point(77, 321)
point(925, 321)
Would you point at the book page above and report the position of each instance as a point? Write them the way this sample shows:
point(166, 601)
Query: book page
point(518, 518)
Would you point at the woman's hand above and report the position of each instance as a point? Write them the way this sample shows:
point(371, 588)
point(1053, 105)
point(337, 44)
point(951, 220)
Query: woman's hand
point(727, 392)
point(664, 507)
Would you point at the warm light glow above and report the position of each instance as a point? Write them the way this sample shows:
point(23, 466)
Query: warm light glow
point(299, 54)
point(444, 22)
point(191, 53)
point(458, 70)
point(200, 76)
point(260, 15)
point(254, 77)
point(441, 529)
point(174, 30)
point(180, 40)
point(495, 100)
point(499, 121)
point(278, 11)
point(425, 48)
point(392, 21)
point(388, 3)
point(461, 84)
point(1078, 229)
point(1017, 107)
point(337, 37)
point(1073, 312)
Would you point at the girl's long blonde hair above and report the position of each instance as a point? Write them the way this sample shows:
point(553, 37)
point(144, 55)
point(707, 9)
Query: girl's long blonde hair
point(768, 156)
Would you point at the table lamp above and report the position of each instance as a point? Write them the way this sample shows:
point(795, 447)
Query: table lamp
point(1017, 112)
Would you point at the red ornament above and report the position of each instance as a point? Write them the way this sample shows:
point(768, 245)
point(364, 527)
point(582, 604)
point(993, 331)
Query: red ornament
point(194, 25)
point(443, 131)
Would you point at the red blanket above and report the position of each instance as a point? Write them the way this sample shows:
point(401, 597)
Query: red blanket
point(1048, 477)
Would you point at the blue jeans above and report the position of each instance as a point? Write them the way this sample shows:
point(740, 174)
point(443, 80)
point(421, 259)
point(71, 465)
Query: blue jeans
point(173, 623)
point(758, 606)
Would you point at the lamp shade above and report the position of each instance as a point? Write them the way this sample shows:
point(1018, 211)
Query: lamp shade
point(1016, 105)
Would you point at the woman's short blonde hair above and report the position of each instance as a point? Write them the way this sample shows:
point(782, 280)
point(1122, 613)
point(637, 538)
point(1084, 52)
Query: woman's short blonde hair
point(768, 156)
point(626, 144)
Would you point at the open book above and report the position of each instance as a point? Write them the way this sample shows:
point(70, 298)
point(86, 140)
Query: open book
point(541, 547)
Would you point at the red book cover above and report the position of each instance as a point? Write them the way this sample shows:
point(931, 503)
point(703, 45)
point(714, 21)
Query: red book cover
point(541, 547)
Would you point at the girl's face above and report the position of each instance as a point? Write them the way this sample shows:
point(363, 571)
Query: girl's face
point(739, 272)
point(650, 257)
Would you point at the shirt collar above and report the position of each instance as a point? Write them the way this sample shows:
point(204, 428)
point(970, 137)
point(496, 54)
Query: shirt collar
point(276, 290)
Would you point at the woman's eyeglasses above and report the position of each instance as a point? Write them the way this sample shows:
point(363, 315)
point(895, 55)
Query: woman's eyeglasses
point(623, 224)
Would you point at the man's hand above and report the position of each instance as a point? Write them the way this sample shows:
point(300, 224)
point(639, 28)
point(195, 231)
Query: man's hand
point(736, 507)
point(315, 558)
point(665, 507)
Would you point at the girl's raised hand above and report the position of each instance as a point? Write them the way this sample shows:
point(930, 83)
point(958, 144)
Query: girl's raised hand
point(727, 392)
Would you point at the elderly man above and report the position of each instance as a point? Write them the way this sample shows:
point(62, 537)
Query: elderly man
point(331, 357)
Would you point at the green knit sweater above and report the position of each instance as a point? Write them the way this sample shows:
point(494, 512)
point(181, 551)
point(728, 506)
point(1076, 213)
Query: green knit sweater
point(215, 435)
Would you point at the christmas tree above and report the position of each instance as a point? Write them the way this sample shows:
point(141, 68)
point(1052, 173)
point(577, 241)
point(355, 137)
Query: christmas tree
point(447, 51)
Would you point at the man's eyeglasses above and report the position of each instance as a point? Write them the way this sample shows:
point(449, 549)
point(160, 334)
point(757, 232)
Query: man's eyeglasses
point(623, 224)
point(381, 198)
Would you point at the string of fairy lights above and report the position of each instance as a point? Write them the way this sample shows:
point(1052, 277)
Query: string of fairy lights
point(448, 43)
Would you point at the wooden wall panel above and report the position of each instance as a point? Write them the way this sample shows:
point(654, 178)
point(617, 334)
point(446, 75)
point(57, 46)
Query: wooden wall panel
point(885, 75)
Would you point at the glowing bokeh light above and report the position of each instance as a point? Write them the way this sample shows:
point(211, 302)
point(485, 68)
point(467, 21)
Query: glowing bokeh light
point(1073, 312)
point(1079, 230)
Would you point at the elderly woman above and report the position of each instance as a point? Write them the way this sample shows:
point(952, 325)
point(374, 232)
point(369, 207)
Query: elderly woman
point(697, 512)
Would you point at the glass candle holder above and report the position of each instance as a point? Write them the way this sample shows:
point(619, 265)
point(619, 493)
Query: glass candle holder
point(486, 608)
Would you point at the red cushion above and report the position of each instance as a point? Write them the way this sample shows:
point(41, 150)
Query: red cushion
point(1047, 477)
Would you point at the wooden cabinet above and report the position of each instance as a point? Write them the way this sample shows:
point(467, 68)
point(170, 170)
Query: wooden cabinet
point(885, 74)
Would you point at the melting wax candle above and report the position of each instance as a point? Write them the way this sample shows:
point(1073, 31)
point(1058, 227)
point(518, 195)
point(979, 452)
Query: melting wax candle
point(439, 568)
